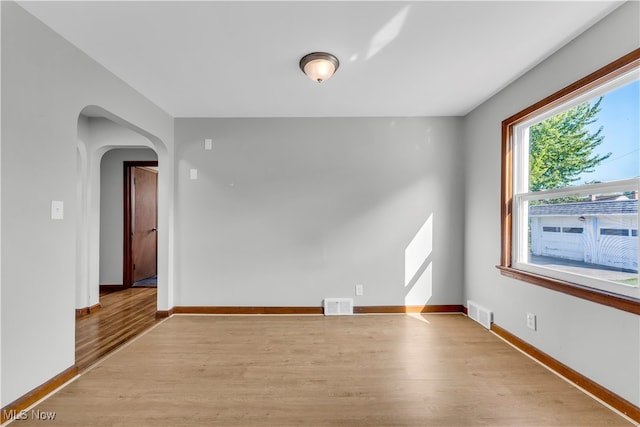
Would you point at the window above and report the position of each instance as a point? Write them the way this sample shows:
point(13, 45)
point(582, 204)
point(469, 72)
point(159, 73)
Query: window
point(614, 232)
point(574, 230)
point(570, 183)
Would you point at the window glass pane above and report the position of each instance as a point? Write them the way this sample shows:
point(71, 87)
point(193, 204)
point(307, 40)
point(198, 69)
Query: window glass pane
point(614, 232)
point(597, 141)
point(592, 236)
point(572, 230)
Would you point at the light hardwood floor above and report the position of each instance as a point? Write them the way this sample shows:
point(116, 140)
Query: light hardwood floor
point(124, 315)
point(372, 370)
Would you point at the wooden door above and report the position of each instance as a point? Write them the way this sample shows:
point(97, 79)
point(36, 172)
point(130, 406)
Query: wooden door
point(144, 222)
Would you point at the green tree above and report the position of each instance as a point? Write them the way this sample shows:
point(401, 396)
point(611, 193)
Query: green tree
point(562, 147)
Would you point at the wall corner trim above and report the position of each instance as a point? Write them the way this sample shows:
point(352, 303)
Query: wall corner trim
point(81, 312)
point(161, 314)
point(38, 393)
point(602, 393)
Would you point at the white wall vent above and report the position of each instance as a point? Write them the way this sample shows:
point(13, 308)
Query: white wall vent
point(338, 306)
point(479, 314)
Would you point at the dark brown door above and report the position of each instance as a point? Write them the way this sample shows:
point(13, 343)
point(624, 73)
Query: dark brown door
point(144, 222)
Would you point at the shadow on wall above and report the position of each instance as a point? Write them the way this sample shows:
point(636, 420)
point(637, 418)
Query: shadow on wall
point(418, 272)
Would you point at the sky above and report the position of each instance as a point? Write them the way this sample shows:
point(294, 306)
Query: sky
point(620, 119)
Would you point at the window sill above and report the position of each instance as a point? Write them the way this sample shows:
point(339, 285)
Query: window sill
point(621, 302)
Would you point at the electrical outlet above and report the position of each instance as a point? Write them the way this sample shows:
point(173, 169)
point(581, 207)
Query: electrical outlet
point(359, 290)
point(531, 321)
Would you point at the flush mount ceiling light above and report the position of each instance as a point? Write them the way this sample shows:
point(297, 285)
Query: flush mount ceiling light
point(319, 66)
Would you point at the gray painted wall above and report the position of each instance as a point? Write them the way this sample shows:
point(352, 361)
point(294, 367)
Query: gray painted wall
point(599, 342)
point(286, 212)
point(111, 209)
point(46, 82)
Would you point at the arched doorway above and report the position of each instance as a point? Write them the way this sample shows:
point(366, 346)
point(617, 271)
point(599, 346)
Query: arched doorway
point(100, 132)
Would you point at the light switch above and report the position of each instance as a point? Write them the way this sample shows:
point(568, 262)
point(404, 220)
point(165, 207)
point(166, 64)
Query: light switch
point(57, 209)
point(208, 144)
point(193, 173)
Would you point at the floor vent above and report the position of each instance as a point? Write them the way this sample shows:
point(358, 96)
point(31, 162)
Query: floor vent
point(479, 314)
point(338, 306)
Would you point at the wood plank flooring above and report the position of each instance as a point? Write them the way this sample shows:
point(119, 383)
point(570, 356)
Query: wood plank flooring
point(124, 315)
point(371, 370)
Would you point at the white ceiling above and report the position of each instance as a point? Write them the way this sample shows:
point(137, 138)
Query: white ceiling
point(240, 58)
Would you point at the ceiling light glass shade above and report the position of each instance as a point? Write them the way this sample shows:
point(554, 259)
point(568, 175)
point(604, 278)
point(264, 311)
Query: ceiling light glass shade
point(319, 66)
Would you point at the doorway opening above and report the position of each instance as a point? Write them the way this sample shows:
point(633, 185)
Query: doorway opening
point(103, 302)
point(125, 310)
point(140, 238)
